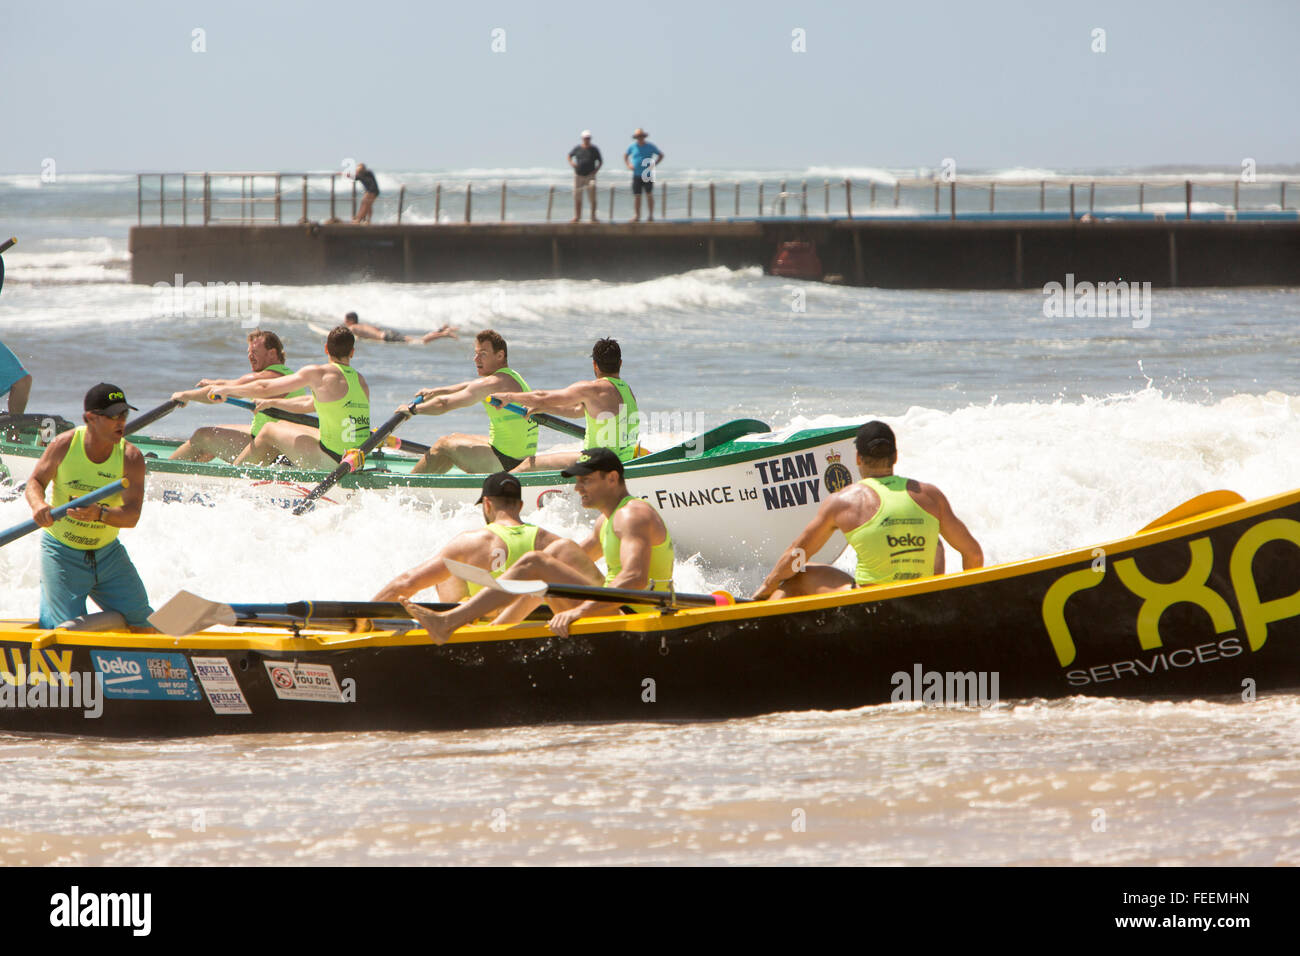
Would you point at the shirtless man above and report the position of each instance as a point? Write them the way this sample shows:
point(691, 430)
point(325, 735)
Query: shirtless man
point(266, 359)
point(892, 522)
point(631, 536)
point(496, 549)
point(365, 330)
point(339, 397)
point(511, 438)
point(606, 402)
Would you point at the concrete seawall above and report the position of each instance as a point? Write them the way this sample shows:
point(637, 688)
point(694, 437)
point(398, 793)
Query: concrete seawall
point(889, 253)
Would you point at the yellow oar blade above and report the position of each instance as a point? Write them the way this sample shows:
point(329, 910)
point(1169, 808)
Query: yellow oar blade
point(1210, 501)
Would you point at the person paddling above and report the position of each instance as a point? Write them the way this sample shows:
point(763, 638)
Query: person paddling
point(496, 548)
point(893, 523)
point(606, 402)
point(367, 330)
point(340, 397)
point(266, 359)
point(631, 537)
point(81, 556)
point(510, 438)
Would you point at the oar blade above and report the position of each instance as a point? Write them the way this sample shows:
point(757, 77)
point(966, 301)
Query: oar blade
point(468, 572)
point(1210, 501)
point(188, 613)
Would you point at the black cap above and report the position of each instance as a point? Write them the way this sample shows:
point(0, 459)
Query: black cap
point(501, 485)
point(594, 459)
point(875, 440)
point(105, 399)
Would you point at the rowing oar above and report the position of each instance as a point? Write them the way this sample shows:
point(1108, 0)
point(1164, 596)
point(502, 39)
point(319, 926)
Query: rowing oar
point(311, 421)
point(550, 421)
point(27, 527)
point(188, 613)
point(588, 592)
point(354, 458)
point(1210, 501)
point(151, 416)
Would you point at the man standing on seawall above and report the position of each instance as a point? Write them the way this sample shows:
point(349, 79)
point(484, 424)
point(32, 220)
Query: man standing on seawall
point(366, 178)
point(80, 554)
point(642, 157)
point(586, 162)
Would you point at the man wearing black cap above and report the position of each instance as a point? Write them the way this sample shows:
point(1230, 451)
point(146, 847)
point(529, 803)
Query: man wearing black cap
point(80, 554)
point(496, 548)
point(893, 523)
point(631, 536)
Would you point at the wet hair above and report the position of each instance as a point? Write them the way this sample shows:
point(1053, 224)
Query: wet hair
point(875, 442)
point(351, 317)
point(608, 356)
point(341, 342)
point(270, 340)
point(493, 339)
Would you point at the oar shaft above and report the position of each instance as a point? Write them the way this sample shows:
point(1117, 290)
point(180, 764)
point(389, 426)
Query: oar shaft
point(583, 592)
point(151, 416)
point(27, 527)
point(312, 610)
point(7, 243)
point(312, 422)
point(550, 421)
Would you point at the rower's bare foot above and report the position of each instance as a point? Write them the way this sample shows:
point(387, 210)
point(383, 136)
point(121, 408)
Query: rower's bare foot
point(439, 630)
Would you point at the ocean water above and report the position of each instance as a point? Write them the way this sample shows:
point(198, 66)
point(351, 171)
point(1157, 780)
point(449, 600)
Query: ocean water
point(1044, 433)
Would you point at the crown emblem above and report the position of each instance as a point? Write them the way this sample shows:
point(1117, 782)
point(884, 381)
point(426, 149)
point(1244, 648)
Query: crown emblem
point(833, 458)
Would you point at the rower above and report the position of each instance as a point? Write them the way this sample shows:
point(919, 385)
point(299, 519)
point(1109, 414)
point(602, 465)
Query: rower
point(606, 402)
point(893, 523)
point(266, 359)
point(339, 396)
point(80, 554)
point(510, 438)
point(631, 536)
point(496, 549)
point(366, 330)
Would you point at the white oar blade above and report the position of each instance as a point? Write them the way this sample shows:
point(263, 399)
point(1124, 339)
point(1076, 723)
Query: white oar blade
point(468, 572)
point(188, 613)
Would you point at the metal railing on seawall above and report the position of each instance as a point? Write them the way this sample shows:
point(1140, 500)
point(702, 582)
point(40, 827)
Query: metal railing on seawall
point(277, 198)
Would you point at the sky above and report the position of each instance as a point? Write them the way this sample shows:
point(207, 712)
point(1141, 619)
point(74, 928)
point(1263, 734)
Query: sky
point(426, 85)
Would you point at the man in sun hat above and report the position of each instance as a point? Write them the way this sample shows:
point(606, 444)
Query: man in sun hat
point(586, 161)
point(643, 157)
point(80, 554)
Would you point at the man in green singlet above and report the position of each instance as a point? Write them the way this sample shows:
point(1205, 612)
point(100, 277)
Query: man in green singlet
point(80, 554)
point(339, 397)
point(606, 402)
point(496, 549)
point(893, 523)
point(511, 438)
point(266, 359)
point(631, 537)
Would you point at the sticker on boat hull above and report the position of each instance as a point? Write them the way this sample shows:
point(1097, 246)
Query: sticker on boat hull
point(220, 684)
point(294, 680)
point(145, 675)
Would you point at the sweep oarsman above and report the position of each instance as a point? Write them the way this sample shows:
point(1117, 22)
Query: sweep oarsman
point(339, 396)
point(495, 549)
point(892, 522)
point(266, 359)
point(631, 536)
point(606, 402)
point(80, 554)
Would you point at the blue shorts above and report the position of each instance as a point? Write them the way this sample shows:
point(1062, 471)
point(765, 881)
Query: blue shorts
point(70, 575)
point(11, 370)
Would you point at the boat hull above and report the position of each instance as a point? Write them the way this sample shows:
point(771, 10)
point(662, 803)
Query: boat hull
point(1209, 607)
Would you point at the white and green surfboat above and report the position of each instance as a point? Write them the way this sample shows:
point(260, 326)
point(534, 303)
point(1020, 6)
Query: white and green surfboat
point(738, 494)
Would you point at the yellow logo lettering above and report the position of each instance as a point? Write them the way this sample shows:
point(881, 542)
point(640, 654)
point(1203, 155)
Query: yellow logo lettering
point(1054, 610)
point(1190, 589)
point(1256, 615)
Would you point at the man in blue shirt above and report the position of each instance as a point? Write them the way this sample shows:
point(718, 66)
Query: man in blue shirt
point(642, 157)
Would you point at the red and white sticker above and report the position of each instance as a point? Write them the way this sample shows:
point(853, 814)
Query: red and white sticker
point(294, 680)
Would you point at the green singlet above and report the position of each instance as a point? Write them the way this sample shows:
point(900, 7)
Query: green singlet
point(511, 434)
point(518, 539)
point(77, 476)
point(661, 557)
point(345, 423)
point(621, 432)
point(261, 418)
point(900, 540)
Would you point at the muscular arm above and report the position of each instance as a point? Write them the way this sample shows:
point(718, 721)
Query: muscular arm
point(459, 396)
point(308, 377)
point(127, 514)
point(636, 528)
point(298, 403)
point(955, 532)
point(811, 539)
point(570, 402)
point(42, 475)
point(568, 552)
